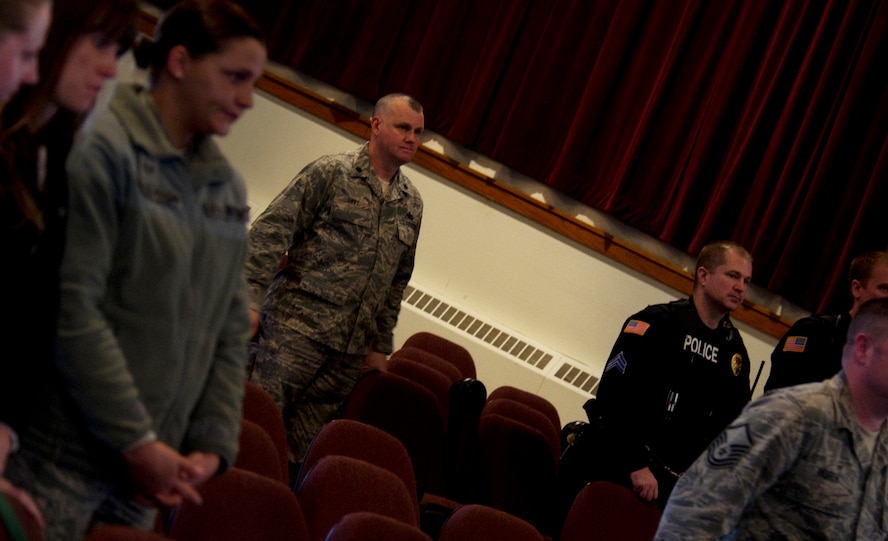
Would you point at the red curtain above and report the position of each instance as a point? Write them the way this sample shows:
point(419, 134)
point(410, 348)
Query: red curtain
point(762, 121)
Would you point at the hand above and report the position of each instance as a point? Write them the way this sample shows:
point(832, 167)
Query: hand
point(375, 360)
point(162, 474)
point(204, 466)
point(13, 492)
point(644, 484)
point(254, 323)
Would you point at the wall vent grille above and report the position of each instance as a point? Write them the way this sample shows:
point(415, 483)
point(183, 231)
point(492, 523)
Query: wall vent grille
point(578, 377)
point(507, 342)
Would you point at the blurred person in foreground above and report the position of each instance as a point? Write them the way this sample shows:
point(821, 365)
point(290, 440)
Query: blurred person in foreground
point(37, 127)
point(803, 462)
point(145, 401)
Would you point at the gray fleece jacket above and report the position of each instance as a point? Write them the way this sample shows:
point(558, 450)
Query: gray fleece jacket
point(154, 322)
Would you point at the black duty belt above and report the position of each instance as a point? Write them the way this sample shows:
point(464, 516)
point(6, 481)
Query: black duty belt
point(659, 465)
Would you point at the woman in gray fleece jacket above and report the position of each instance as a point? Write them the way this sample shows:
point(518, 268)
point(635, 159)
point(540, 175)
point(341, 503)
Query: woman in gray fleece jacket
point(147, 389)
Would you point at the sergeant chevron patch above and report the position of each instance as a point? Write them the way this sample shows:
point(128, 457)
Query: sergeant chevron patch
point(619, 362)
point(729, 446)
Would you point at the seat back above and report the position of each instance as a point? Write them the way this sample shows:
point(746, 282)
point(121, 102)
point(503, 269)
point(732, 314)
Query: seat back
point(116, 532)
point(535, 401)
point(605, 511)
point(461, 401)
point(431, 360)
point(348, 437)
point(475, 522)
point(430, 378)
point(529, 416)
point(338, 485)
point(240, 505)
point(408, 411)
point(446, 349)
point(260, 408)
point(364, 526)
point(258, 453)
point(520, 466)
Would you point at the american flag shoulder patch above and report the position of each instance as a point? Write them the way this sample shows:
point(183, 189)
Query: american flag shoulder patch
point(636, 326)
point(618, 362)
point(795, 343)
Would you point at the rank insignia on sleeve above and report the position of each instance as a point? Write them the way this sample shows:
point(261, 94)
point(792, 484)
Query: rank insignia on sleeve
point(619, 362)
point(729, 446)
point(795, 343)
point(636, 327)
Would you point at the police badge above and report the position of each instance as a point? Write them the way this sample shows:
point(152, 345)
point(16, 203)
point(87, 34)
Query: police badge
point(736, 364)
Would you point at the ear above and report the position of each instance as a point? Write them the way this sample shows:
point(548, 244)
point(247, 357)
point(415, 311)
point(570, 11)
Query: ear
point(856, 286)
point(702, 275)
point(177, 61)
point(374, 125)
point(862, 345)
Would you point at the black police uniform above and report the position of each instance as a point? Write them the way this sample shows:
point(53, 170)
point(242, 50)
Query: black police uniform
point(670, 386)
point(811, 350)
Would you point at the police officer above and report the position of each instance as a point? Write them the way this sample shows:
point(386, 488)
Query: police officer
point(327, 266)
point(811, 350)
point(677, 375)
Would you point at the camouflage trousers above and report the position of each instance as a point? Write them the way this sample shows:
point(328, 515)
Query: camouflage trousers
point(307, 380)
point(71, 502)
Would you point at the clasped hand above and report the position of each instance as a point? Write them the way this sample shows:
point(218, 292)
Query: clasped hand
point(166, 478)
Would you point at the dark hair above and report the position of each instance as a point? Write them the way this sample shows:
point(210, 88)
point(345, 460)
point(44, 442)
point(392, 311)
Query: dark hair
point(25, 114)
point(862, 266)
point(201, 26)
point(14, 14)
point(115, 20)
point(715, 253)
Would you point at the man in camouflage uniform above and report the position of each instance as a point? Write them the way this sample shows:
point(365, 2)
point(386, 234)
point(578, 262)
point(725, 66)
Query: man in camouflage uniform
point(328, 263)
point(805, 462)
point(811, 350)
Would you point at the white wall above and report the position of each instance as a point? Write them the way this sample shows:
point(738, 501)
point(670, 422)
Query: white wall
point(490, 260)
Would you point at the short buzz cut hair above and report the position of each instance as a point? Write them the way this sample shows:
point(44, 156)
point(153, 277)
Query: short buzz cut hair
point(384, 102)
point(863, 265)
point(871, 319)
point(716, 253)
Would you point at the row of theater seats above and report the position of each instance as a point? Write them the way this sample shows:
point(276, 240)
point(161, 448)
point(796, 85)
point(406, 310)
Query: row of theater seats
point(430, 421)
point(422, 452)
point(500, 450)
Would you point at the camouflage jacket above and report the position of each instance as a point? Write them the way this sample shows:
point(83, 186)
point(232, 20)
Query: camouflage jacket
point(350, 251)
point(794, 465)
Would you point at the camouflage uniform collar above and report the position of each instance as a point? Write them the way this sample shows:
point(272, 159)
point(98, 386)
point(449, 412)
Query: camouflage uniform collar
point(848, 419)
point(363, 168)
